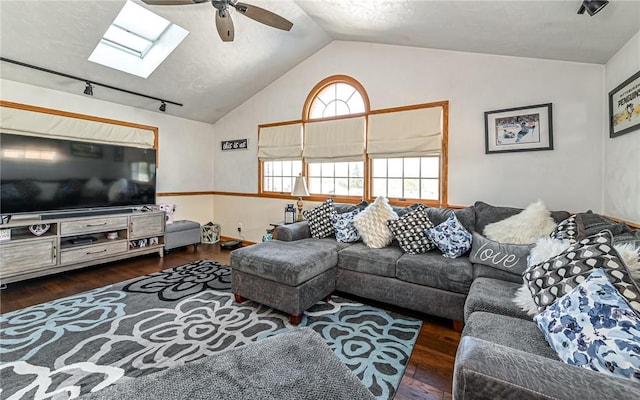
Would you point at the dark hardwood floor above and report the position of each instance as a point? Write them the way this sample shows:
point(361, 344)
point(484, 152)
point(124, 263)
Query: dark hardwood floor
point(428, 375)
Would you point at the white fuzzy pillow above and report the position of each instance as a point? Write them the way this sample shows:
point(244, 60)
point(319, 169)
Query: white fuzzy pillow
point(372, 223)
point(547, 248)
point(526, 227)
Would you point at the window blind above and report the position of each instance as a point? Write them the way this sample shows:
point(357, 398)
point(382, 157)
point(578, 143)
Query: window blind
point(33, 123)
point(410, 133)
point(282, 142)
point(334, 140)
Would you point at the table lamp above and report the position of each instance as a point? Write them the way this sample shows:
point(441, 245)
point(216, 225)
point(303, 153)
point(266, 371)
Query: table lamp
point(300, 190)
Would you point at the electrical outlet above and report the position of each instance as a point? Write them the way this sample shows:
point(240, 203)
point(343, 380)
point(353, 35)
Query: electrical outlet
point(239, 226)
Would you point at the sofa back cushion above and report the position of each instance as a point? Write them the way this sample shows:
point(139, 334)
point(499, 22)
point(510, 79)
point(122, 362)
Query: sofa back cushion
point(486, 214)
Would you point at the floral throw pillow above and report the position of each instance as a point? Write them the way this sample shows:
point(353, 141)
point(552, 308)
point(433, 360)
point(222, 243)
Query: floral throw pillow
point(593, 327)
point(450, 237)
point(346, 232)
point(319, 218)
point(410, 231)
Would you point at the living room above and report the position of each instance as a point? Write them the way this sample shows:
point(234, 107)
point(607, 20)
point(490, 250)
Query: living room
point(586, 170)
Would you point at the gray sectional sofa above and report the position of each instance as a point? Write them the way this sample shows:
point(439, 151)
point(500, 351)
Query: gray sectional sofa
point(502, 353)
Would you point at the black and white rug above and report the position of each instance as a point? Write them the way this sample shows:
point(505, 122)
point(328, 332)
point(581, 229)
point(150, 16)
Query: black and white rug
point(70, 346)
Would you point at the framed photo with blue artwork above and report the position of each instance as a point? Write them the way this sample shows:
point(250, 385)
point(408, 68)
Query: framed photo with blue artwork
point(624, 107)
point(519, 129)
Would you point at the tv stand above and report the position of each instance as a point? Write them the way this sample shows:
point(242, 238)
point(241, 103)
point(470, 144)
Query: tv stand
point(77, 242)
point(85, 213)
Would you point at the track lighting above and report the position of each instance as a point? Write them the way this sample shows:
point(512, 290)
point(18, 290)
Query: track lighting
point(592, 6)
point(88, 89)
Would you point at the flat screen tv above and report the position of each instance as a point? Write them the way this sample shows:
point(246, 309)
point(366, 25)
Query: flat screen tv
point(41, 175)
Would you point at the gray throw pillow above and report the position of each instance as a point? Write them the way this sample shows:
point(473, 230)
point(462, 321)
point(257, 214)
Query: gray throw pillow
point(507, 257)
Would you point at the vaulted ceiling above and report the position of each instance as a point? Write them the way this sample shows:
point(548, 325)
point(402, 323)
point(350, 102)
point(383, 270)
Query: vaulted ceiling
point(211, 77)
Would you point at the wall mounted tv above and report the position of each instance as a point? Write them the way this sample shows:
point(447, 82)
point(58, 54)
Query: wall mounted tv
point(41, 175)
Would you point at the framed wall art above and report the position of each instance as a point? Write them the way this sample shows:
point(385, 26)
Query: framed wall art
point(519, 129)
point(624, 107)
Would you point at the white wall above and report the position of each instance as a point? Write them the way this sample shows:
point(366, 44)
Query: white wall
point(622, 154)
point(185, 160)
point(568, 177)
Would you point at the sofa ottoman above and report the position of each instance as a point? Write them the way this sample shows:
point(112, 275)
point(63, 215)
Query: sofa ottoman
point(181, 233)
point(288, 276)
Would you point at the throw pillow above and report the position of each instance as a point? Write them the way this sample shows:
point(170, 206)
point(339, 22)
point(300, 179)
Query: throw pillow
point(450, 237)
point(372, 223)
point(555, 277)
point(593, 327)
point(507, 257)
point(319, 219)
point(526, 227)
point(410, 231)
point(570, 229)
point(630, 254)
point(544, 249)
point(343, 223)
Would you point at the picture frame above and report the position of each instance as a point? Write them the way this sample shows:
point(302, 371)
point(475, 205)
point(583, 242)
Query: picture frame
point(528, 128)
point(624, 107)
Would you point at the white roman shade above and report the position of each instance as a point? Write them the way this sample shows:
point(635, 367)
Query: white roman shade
point(281, 142)
point(334, 140)
point(410, 133)
point(33, 123)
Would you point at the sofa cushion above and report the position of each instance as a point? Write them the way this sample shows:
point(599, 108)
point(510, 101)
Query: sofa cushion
point(450, 237)
point(507, 257)
point(493, 296)
point(290, 263)
point(433, 270)
point(593, 327)
point(372, 223)
point(360, 258)
point(466, 216)
point(486, 214)
point(523, 228)
point(342, 208)
point(319, 219)
point(594, 223)
point(410, 231)
point(484, 271)
point(557, 276)
point(570, 229)
point(517, 333)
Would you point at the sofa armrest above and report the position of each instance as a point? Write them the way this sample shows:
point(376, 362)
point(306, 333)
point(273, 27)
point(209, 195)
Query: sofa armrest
point(486, 370)
point(291, 232)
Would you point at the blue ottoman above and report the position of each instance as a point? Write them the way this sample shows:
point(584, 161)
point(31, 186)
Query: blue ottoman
point(182, 233)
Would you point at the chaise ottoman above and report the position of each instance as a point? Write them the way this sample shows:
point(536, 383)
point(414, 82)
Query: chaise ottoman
point(288, 276)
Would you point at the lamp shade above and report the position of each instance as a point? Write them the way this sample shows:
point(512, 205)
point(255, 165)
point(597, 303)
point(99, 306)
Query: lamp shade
point(300, 187)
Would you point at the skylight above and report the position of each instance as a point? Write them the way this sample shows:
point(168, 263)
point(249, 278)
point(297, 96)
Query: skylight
point(137, 41)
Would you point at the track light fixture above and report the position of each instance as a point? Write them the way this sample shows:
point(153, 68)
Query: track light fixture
point(592, 6)
point(88, 89)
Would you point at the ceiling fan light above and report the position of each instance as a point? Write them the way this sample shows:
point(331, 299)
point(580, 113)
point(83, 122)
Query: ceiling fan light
point(88, 89)
point(592, 6)
point(163, 107)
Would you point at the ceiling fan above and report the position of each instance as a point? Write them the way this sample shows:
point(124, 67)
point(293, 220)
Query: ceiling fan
point(224, 24)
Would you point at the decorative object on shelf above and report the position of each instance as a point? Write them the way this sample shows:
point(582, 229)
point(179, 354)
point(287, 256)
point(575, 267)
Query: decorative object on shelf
point(210, 233)
point(112, 235)
point(268, 236)
point(300, 190)
point(39, 229)
point(153, 241)
point(289, 214)
point(5, 234)
point(238, 144)
point(168, 209)
point(142, 243)
point(519, 129)
point(624, 107)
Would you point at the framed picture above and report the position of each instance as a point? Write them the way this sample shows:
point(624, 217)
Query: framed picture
point(624, 107)
point(519, 129)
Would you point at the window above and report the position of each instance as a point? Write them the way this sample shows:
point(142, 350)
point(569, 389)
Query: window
point(406, 178)
point(137, 41)
point(350, 151)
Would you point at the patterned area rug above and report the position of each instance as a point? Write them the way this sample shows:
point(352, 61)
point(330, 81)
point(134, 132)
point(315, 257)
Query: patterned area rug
point(68, 347)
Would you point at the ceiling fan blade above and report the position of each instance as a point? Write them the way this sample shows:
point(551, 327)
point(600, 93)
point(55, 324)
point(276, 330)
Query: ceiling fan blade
point(264, 16)
point(224, 25)
point(170, 2)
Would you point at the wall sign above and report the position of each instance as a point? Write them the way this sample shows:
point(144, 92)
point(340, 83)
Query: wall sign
point(238, 144)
